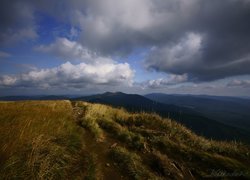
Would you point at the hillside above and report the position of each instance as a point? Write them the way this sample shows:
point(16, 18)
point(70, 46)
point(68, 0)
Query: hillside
point(187, 116)
point(233, 111)
point(216, 117)
point(80, 140)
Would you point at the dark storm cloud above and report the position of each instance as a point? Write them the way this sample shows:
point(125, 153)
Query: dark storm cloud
point(207, 40)
point(223, 50)
point(16, 22)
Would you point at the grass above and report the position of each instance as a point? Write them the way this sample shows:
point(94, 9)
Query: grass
point(131, 164)
point(79, 140)
point(133, 140)
point(166, 167)
point(39, 140)
point(91, 124)
point(91, 168)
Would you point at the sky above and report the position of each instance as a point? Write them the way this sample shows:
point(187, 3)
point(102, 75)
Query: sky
point(133, 46)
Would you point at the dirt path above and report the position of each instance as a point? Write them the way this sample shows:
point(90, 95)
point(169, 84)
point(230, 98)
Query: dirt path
point(105, 168)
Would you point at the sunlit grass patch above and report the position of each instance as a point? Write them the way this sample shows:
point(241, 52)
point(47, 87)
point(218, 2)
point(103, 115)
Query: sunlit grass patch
point(39, 139)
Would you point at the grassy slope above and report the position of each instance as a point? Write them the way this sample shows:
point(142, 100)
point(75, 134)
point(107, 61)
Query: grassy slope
point(38, 140)
point(64, 140)
point(188, 117)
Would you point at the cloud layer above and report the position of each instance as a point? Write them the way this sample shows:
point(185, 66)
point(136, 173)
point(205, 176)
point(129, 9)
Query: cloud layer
point(197, 40)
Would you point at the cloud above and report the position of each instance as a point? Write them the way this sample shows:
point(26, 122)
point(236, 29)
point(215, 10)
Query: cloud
point(178, 57)
point(69, 76)
point(68, 50)
point(14, 36)
point(17, 22)
point(188, 56)
point(164, 82)
point(239, 83)
point(94, 69)
point(207, 40)
point(4, 54)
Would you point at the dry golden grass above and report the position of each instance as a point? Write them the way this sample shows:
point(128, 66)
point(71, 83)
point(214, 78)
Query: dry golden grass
point(131, 164)
point(149, 133)
point(72, 140)
point(39, 139)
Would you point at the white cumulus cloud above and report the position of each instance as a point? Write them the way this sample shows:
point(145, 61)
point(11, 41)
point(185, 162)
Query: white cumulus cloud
point(93, 70)
point(76, 76)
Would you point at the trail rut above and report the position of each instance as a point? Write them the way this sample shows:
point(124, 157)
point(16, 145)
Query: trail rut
point(105, 168)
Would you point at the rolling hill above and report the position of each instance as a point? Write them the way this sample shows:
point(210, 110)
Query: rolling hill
point(189, 117)
point(79, 140)
point(228, 110)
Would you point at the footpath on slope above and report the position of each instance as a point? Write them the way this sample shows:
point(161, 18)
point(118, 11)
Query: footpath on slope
point(99, 150)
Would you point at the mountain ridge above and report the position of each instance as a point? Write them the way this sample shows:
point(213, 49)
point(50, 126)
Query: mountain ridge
point(187, 116)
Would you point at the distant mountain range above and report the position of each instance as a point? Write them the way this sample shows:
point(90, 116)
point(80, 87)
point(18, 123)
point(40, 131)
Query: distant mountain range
point(232, 111)
point(220, 118)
